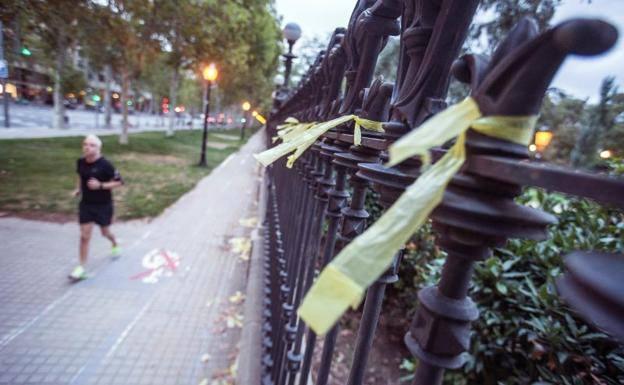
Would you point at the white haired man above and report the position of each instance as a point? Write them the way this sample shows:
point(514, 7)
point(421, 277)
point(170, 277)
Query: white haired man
point(96, 178)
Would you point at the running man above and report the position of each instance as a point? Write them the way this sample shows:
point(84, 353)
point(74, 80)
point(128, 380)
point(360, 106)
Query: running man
point(96, 178)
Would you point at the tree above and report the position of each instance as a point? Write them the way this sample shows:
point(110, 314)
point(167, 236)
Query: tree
point(502, 16)
point(120, 37)
point(134, 28)
point(601, 121)
point(189, 94)
point(241, 38)
point(614, 137)
point(564, 115)
point(155, 79)
point(13, 16)
point(102, 51)
point(72, 80)
point(56, 27)
point(245, 49)
point(307, 50)
point(184, 28)
point(388, 60)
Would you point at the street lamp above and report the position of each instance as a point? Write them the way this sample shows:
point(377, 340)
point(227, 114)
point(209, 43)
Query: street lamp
point(605, 154)
point(246, 107)
point(259, 117)
point(210, 74)
point(542, 139)
point(292, 33)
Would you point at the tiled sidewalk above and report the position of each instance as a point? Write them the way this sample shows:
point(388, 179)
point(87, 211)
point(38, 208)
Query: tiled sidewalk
point(139, 320)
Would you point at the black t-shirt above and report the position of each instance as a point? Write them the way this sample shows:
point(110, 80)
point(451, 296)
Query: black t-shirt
point(101, 170)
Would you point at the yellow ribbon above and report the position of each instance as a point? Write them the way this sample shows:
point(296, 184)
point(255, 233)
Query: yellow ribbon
point(343, 282)
point(295, 131)
point(300, 137)
point(289, 125)
point(370, 125)
point(288, 122)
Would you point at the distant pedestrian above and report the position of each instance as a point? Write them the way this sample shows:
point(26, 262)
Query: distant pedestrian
point(96, 178)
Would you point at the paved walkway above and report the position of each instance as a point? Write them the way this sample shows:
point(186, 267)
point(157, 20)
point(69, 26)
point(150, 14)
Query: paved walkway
point(166, 312)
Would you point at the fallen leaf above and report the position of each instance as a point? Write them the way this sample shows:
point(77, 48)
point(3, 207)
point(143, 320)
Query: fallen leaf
point(234, 368)
point(234, 321)
point(221, 382)
point(241, 246)
point(237, 298)
point(249, 222)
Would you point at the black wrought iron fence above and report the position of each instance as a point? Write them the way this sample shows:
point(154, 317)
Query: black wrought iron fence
point(316, 208)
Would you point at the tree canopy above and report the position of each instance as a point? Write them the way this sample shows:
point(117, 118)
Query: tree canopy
point(140, 39)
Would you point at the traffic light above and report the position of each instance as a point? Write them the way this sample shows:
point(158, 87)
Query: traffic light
point(25, 51)
point(96, 98)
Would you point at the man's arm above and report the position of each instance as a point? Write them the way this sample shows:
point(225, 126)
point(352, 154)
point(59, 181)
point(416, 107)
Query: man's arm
point(78, 185)
point(111, 184)
point(115, 181)
point(95, 184)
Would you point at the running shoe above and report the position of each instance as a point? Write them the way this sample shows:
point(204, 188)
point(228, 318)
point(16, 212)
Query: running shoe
point(116, 252)
point(78, 273)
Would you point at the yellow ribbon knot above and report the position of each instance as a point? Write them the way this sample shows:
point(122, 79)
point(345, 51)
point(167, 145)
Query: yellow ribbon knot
point(298, 137)
point(345, 279)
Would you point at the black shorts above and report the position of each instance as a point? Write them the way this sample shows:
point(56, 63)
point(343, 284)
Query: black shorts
point(100, 213)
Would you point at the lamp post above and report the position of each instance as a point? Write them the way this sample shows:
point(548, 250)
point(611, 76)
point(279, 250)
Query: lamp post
point(246, 107)
point(292, 33)
point(210, 75)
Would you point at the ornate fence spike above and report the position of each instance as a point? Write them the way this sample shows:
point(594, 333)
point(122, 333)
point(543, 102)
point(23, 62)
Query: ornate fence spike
point(593, 286)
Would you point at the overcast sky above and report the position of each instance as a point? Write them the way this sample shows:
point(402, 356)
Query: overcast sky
point(579, 76)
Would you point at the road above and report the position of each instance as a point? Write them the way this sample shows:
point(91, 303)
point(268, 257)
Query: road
point(35, 121)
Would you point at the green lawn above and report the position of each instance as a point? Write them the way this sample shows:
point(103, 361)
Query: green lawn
point(37, 176)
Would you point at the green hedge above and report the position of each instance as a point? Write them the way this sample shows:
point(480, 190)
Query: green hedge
point(525, 334)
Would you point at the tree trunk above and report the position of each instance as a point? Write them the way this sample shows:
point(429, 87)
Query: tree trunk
point(125, 80)
point(173, 92)
point(59, 107)
point(108, 79)
point(138, 108)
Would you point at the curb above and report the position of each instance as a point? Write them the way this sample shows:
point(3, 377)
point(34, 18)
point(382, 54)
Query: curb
point(249, 360)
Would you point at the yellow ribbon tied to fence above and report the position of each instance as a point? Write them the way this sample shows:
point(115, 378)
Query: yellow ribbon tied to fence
point(300, 137)
point(288, 122)
point(295, 131)
point(345, 279)
point(284, 130)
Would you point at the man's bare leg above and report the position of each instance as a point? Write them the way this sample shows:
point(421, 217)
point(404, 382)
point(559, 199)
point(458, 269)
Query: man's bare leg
point(85, 238)
point(107, 233)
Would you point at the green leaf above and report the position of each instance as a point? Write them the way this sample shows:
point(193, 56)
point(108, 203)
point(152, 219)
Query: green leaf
point(500, 286)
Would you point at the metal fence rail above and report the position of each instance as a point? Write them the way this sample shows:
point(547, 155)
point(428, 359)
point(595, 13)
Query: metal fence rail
point(317, 207)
